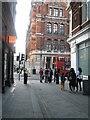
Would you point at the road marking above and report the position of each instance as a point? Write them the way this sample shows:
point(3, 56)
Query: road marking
point(44, 105)
point(13, 89)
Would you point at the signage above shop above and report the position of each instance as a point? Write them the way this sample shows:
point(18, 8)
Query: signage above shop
point(12, 39)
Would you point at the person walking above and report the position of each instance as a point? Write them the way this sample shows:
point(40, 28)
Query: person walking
point(72, 79)
point(41, 74)
point(62, 81)
point(51, 73)
point(79, 78)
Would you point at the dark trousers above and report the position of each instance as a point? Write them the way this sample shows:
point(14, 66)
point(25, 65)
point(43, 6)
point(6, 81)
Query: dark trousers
point(79, 81)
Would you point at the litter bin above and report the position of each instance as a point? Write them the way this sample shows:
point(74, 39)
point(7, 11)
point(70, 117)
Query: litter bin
point(25, 78)
point(86, 90)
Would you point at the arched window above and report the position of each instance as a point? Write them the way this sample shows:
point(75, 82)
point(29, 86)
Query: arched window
point(48, 27)
point(55, 44)
point(55, 29)
point(61, 45)
point(62, 29)
point(48, 44)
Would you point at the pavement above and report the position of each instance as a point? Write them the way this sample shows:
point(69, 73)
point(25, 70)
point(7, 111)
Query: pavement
point(42, 100)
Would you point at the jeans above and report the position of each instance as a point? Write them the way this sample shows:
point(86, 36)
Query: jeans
point(41, 78)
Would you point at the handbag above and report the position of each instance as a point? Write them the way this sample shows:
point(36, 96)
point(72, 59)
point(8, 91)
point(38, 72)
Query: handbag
point(42, 76)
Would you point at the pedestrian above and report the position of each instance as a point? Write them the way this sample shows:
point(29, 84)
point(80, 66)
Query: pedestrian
point(46, 75)
point(55, 75)
point(72, 79)
point(51, 73)
point(41, 74)
point(62, 81)
point(79, 78)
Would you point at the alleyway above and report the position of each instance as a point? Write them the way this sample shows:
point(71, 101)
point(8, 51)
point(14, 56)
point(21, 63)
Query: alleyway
point(42, 100)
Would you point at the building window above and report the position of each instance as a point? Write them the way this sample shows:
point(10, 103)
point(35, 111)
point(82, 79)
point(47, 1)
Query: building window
point(55, 45)
point(61, 29)
point(48, 27)
point(55, 28)
point(48, 45)
point(62, 46)
point(50, 11)
point(55, 12)
point(38, 9)
point(61, 12)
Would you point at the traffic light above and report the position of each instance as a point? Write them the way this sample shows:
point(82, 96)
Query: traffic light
point(22, 57)
point(17, 59)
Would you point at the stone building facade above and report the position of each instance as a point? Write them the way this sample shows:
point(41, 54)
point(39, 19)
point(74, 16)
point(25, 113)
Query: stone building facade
point(79, 35)
point(47, 34)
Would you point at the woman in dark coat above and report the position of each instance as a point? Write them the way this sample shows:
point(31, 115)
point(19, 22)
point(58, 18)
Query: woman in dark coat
point(72, 79)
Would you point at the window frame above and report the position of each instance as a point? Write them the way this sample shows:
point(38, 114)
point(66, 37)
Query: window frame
point(49, 27)
point(62, 29)
point(61, 12)
point(62, 45)
point(48, 45)
point(55, 44)
point(55, 28)
point(50, 11)
point(56, 12)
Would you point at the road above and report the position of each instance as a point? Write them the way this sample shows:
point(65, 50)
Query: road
point(43, 100)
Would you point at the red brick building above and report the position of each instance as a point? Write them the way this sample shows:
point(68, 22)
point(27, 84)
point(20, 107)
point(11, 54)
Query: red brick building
point(47, 34)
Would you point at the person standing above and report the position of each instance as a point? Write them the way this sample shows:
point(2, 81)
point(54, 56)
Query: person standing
point(41, 74)
point(62, 81)
point(72, 79)
point(46, 75)
point(79, 78)
point(51, 73)
point(55, 75)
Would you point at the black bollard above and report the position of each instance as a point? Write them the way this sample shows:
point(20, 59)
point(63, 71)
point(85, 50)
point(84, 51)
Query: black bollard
point(25, 78)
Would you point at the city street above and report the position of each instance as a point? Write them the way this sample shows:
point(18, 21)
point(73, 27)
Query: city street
point(42, 100)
